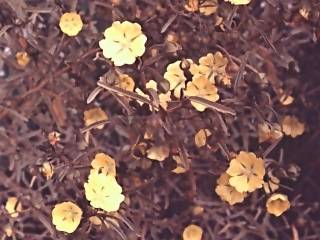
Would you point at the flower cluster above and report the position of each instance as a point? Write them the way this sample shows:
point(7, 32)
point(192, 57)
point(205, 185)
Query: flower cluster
point(246, 174)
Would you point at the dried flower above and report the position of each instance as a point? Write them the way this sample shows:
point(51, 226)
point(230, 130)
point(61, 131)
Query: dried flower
point(66, 216)
point(103, 192)
point(227, 192)
point(201, 136)
point(123, 42)
point(213, 66)
point(104, 163)
point(22, 58)
point(192, 232)
point(246, 172)
point(271, 185)
point(95, 220)
point(238, 2)
point(47, 170)
point(94, 115)
point(176, 77)
point(125, 82)
point(201, 87)
point(159, 153)
point(291, 126)
point(197, 210)
point(13, 207)
point(277, 204)
point(180, 165)
point(206, 7)
point(71, 24)
point(286, 99)
point(269, 132)
point(164, 98)
point(54, 137)
point(7, 229)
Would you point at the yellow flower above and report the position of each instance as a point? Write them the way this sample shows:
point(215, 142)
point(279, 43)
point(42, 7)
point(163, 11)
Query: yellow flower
point(277, 204)
point(201, 136)
point(123, 42)
point(291, 126)
point(176, 78)
point(13, 207)
point(207, 7)
point(159, 153)
point(104, 163)
point(269, 132)
point(213, 67)
point(180, 166)
point(271, 185)
point(125, 82)
point(94, 115)
point(238, 2)
point(201, 87)
point(71, 24)
point(227, 192)
point(192, 232)
point(103, 192)
point(22, 58)
point(66, 216)
point(246, 172)
point(47, 170)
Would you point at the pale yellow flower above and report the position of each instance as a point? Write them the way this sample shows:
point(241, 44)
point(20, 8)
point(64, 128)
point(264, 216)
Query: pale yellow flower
point(227, 192)
point(201, 87)
point(286, 99)
point(126, 82)
point(291, 126)
point(103, 192)
point(94, 115)
point(66, 216)
point(176, 78)
point(213, 66)
point(22, 58)
point(269, 132)
point(246, 172)
point(13, 207)
point(158, 153)
point(123, 42)
point(201, 136)
point(192, 232)
point(104, 163)
point(47, 170)
point(238, 2)
point(277, 204)
point(71, 24)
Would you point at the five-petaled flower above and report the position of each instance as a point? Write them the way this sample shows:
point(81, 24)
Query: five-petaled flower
point(176, 78)
point(213, 66)
point(246, 172)
point(71, 24)
point(201, 87)
point(66, 216)
point(227, 192)
point(123, 42)
point(277, 204)
point(103, 191)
